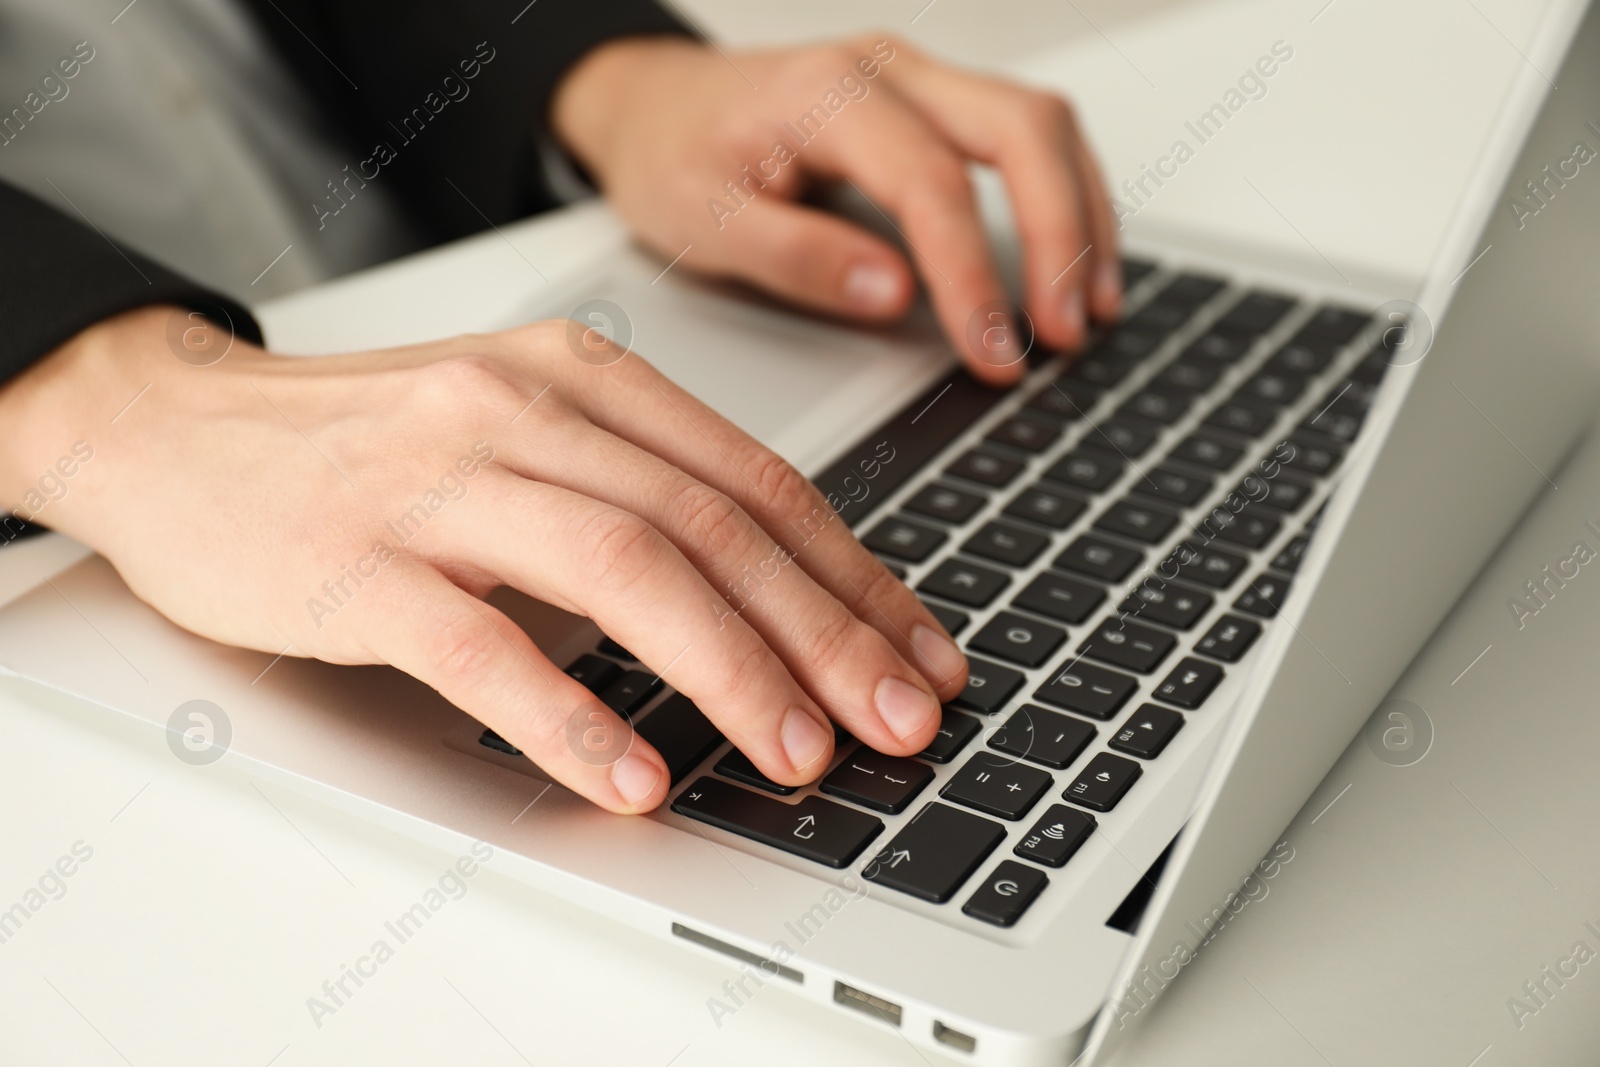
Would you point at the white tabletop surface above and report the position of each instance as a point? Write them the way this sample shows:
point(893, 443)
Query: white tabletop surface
point(211, 908)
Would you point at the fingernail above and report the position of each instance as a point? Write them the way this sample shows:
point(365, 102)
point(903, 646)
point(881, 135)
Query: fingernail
point(1108, 285)
point(804, 740)
point(870, 287)
point(937, 654)
point(1072, 311)
point(634, 779)
point(905, 708)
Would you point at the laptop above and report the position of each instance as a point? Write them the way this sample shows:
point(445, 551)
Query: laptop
point(1186, 566)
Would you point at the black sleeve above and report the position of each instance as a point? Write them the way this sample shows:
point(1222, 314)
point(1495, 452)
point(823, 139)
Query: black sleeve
point(372, 65)
point(59, 275)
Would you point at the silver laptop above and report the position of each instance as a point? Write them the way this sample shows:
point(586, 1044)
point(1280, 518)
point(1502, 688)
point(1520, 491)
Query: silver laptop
point(1186, 568)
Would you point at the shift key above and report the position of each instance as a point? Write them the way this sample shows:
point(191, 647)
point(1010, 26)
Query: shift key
point(814, 829)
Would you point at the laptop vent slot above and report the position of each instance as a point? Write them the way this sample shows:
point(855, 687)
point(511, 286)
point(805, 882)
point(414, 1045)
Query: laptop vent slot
point(769, 967)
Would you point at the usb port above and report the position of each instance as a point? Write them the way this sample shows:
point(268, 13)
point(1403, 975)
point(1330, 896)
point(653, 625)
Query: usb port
point(851, 997)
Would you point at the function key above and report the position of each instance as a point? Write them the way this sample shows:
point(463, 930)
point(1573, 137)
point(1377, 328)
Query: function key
point(942, 502)
point(1058, 597)
point(1218, 349)
point(681, 733)
point(989, 686)
point(1209, 566)
point(1059, 833)
point(1103, 782)
point(1046, 737)
point(815, 829)
point(904, 539)
point(594, 673)
point(1336, 324)
point(1190, 682)
point(1169, 605)
point(1025, 434)
point(1308, 455)
point(1147, 731)
point(1188, 375)
point(1118, 434)
point(1370, 370)
point(1128, 644)
point(1136, 521)
point(1293, 554)
point(955, 732)
point(1243, 415)
point(1205, 450)
point(1046, 507)
point(1192, 289)
point(1282, 493)
point(629, 691)
point(1006, 893)
point(1018, 640)
point(1066, 399)
point(1245, 527)
point(1172, 486)
point(997, 786)
point(952, 620)
point(964, 583)
point(1229, 638)
point(737, 765)
point(1087, 689)
point(1011, 545)
point(873, 780)
point(935, 852)
point(985, 468)
point(1086, 468)
point(1263, 596)
point(1156, 405)
point(1255, 313)
point(1099, 559)
point(1340, 418)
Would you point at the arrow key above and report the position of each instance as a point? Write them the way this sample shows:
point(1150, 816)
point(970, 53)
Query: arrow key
point(935, 852)
point(1006, 893)
point(1147, 731)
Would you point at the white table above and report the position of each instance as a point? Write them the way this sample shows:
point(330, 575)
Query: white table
point(211, 909)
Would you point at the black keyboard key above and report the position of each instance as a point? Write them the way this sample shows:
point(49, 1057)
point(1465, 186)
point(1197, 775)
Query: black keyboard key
point(737, 765)
point(935, 852)
point(1288, 561)
point(1370, 371)
point(1248, 527)
point(1059, 833)
point(1155, 405)
point(1128, 644)
point(1147, 731)
point(1209, 566)
point(594, 673)
point(1099, 559)
point(1018, 640)
point(1025, 434)
point(1011, 545)
point(985, 468)
point(964, 583)
point(1167, 604)
point(1135, 271)
point(893, 568)
point(1121, 436)
point(1255, 313)
point(1336, 422)
point(1190, 682)
point(1086, 468)
point(1299, 358)
point(1046, 737)
point(1314, 457)
point(956, 731)
point(1124, 344)
point(1336, 324)
point(1087, 689)
point(1065, 399)
point(952, 620)
point(1229, 638)
point(1046, 507)
point(1263, 596)
point(1205, 450)
point(1274, 386)
point(1137, 522)
point(681, 733)
point(873, 780)
point(490, 739)
point(1105, 368)
point(1006, 893)
point(1172, 486)
point(1188, 375)
point(996, 785)
point(1103, 782)
point(815, 829)
point(1282, 493)
point(1192, 289)
point(1217, 348)
point(611, 648)
point(989, 686)
point(1057, 597)
point(1158, 317)
point(629, 691)
point(1243, 415)
point(945, 503)
point(903, 539)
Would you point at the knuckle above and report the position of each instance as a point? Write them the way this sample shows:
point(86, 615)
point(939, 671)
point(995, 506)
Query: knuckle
point(834, 639)
point(783, 491)
point(1044, 115)
point(711, 521)
point(942, 184)
point(462, 648)
point(749, 671)
point(464, 381)
point(620, 548)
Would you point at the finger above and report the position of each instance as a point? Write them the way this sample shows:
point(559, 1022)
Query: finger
point(481, 662)
point(590, 557)
point(906, 168)
point(810, 258)
point(1062, 213)
point(847, 666)
point(665, 420)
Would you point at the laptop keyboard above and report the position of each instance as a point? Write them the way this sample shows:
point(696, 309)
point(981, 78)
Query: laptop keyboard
point(1181, 452)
